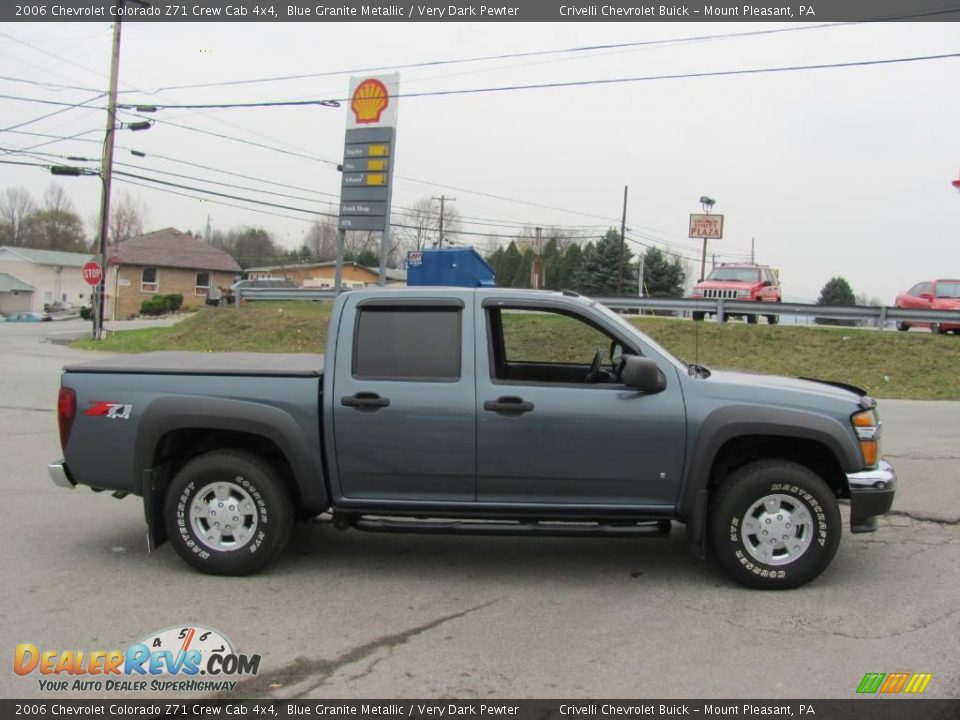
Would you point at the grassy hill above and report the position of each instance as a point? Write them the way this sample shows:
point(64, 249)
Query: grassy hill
point(915, 365)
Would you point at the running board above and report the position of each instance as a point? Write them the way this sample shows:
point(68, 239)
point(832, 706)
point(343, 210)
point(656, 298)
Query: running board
point(650, 528)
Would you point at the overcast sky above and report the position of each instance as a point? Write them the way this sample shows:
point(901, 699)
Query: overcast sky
point(834, 172)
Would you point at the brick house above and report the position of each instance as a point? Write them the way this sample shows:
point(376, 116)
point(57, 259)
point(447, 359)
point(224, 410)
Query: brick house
point(164, 262)
point(321, 275)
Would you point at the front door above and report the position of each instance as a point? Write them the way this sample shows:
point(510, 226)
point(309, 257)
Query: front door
point(567, 440)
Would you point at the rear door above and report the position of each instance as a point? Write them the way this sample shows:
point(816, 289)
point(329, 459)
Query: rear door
point(404, 401)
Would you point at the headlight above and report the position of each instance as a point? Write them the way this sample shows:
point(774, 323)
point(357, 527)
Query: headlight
point(867, 426)
point(743, 293)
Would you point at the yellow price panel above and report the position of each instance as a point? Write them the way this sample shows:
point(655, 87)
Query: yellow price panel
point(378, 150)
point(376, 179)
point(377, 165)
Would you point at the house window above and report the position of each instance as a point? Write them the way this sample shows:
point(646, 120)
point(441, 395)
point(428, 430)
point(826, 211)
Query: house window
point(149, 280)
point(203, 283)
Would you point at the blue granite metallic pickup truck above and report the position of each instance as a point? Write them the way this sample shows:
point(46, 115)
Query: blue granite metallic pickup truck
point(483, 411)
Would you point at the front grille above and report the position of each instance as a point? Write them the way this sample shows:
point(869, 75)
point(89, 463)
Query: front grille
point(720, 293)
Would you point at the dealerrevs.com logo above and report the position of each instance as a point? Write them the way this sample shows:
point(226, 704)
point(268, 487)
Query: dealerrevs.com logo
point(168, 660)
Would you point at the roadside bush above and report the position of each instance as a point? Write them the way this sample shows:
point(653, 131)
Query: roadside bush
point(173, 301)
point(161, 304)
point(156, 305)
point(86, 313)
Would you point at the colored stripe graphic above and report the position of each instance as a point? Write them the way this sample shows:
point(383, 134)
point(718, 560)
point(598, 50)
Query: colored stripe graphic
point(894, 682)
point(871, 682)
point(918, 682)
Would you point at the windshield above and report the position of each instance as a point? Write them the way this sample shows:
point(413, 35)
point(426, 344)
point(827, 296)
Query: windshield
point(948, 289)
point(735, 274)
point(635, 332)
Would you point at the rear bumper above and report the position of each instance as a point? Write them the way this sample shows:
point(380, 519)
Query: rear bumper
point(59, 475)
point(871, 495)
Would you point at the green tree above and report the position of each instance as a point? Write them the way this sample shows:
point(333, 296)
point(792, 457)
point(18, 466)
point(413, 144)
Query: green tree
point(53, 229)
point(507, 267)
point(662, 277)
point(600, 271)
point(521, 276)
point(251, 247)
point(837, 291)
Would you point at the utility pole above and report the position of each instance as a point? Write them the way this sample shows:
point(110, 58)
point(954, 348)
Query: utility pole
point(443, 199)
point(623, 234)
point(752, 241)
point(535, 265)
point(106, 175)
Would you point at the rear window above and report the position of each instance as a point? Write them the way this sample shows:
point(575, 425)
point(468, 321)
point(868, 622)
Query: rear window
point(407, 343)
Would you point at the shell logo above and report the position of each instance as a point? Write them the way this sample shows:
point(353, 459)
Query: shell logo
point(369, 101)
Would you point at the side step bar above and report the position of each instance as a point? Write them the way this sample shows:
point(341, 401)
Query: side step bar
point(500, 527)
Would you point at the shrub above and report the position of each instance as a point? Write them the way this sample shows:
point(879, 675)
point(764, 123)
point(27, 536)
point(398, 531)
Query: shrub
point(174, 301)
point(86, 313)
point(156, 305)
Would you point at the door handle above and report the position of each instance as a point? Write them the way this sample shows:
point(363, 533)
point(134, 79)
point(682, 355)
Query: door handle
point(364, 401)
point(508, 405)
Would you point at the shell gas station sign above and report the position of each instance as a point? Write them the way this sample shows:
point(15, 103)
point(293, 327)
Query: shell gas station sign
point(368, 153)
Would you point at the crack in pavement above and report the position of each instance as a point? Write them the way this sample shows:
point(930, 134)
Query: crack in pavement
point(921, 456)
point(303, 668)
point(29, 409)
point(803, 627)
point(923, 517)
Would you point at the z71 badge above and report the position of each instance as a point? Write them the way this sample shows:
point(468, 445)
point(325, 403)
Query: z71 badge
point(112, 410)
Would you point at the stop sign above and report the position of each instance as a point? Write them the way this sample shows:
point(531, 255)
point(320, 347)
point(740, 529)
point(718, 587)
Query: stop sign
point(92, 274)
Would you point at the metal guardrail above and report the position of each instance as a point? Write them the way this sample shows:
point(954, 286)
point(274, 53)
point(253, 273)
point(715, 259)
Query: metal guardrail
point(719, 307)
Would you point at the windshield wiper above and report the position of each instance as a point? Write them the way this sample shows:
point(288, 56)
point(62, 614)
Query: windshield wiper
point(695, 370)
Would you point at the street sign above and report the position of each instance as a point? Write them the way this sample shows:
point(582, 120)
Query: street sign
point(92, 274)
point(706, 226)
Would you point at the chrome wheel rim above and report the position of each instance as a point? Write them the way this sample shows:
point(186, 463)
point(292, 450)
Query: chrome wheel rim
point(777, 529)
point(223, 516)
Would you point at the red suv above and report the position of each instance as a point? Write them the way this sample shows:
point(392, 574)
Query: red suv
point(932, 295)
point(738, 281)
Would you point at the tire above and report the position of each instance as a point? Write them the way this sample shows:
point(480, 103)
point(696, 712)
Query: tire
point(902, 326)
point(773, 319)
point(752, 319)
point(798, 494)
point(698, 316)
point(216, 483)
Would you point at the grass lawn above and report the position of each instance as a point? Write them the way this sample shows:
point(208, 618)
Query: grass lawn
point(890, 364)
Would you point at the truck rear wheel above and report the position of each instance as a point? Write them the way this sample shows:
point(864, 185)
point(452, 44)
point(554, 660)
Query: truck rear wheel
point(774, 525)
point(228, 513)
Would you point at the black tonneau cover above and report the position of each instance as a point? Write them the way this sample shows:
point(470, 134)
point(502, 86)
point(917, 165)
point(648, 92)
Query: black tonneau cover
point(200, 363)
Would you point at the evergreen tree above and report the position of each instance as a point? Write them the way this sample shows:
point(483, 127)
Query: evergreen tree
point(662, 277)
point(600, 271)
point(508, 265)
point(837, 291)
point(521, 276)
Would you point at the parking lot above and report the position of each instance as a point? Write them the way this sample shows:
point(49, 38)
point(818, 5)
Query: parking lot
point(361, 615)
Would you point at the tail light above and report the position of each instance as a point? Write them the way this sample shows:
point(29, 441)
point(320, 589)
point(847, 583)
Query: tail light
point(66, 411)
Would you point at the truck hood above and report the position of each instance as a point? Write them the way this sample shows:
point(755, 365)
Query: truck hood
point(771, 388)
point(725, 285)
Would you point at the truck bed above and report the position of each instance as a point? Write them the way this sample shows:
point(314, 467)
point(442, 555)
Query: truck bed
point(200, 363)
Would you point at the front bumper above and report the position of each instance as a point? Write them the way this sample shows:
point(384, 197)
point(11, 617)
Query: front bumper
point(871, 495)
point(59, 475)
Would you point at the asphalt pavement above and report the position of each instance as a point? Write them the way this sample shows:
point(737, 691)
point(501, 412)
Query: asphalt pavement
point(353, 615)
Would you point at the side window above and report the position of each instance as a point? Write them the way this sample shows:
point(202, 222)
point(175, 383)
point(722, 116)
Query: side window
point(407, 343)
point(537, 336)
point(926, 288)
point(916, 290)
point(148, 280)
point(203, 283)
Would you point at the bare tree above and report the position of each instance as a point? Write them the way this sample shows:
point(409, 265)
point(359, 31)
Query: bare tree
point(15, 205)
point(56, 199)
point(126, 219)
point(421, 223)
point(321, 239)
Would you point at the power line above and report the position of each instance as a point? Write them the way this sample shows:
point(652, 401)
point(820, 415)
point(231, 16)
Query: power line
point(502, 56)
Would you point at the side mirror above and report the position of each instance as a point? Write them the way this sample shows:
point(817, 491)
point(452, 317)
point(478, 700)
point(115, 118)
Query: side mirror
point(767, 283)
point(926, 296)
point(640, 373)
point(616, 352)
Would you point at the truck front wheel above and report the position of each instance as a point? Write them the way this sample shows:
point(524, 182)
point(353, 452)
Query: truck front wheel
point(228, 513)
point(774, 525)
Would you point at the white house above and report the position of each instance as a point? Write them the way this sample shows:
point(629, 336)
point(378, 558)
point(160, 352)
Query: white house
point(30, 279)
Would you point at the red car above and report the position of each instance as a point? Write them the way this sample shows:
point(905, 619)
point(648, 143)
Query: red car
point(931, 295)
point(740, 281)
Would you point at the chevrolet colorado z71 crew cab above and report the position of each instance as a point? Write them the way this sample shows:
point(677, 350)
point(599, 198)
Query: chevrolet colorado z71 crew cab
point(486, 411)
